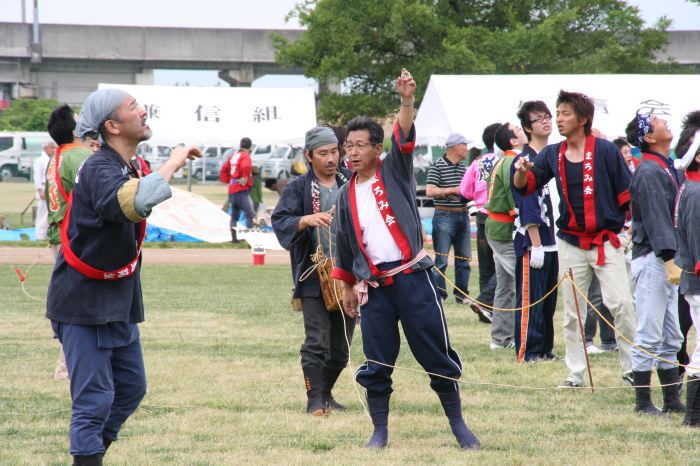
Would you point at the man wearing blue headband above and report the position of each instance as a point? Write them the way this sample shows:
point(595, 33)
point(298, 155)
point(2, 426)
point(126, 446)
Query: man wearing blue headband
point(654, 190)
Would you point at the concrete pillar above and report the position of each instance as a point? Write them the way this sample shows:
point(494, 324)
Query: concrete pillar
point(144, 78)
point(242, 77)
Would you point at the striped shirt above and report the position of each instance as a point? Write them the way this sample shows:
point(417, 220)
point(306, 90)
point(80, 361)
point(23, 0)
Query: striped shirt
point(445, 174)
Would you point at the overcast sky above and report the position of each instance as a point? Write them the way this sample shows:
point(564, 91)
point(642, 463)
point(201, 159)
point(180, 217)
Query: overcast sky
point(243, 13)
point(240, 14)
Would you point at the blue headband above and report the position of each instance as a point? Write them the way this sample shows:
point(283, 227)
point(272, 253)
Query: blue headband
point(643, 127)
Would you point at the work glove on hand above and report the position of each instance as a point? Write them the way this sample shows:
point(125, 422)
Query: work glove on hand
point(673, 272)
point(536, 257)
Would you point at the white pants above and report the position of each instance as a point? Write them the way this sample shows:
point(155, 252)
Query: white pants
point(694, 364)
point(41, 222)
point(615, 288)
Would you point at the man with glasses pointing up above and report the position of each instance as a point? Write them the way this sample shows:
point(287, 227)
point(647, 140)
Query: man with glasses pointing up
point(379, 254)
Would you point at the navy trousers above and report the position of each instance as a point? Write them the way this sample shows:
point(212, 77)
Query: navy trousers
point(107, 382)
point(534, 325)
point(414, 300)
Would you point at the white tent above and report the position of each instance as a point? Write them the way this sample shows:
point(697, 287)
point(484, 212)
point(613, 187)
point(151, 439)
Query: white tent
point(468, 103)
point(224, 115)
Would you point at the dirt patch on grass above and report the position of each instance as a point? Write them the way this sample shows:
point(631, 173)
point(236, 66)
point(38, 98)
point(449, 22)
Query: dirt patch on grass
point(17, 256)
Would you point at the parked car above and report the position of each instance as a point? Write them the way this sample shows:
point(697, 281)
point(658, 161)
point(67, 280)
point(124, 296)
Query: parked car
point(281, 164)
point(18, 151)
point(213, 158)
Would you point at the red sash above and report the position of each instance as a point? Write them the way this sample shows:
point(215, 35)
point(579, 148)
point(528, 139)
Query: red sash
point(387, 214)
point(87, 270)
point(588, 236)
point(590, 221)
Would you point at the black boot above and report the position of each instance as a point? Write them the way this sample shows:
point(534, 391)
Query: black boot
point(452, 405)
point(692, 401)
point(669, 380)
point(642, 391)
point(379, 412)
point(329, 378)
point(234, 238)
point(106, 442)
point(312, 381)
point(91, 460)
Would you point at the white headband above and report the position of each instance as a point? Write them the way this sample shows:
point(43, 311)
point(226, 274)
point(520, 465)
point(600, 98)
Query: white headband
point(690, 153)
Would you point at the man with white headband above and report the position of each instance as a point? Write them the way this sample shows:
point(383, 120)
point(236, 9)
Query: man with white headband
point(688, 234)
point(94, 300)
point(653, 190)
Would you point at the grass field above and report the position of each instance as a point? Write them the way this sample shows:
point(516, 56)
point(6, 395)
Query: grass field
point(221, 346)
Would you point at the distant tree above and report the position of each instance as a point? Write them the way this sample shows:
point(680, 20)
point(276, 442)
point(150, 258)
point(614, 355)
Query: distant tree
point(27, 115)
point(363, 44)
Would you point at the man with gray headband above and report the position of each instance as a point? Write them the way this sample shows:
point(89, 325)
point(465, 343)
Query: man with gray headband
point(94, 299)
point(303, 223)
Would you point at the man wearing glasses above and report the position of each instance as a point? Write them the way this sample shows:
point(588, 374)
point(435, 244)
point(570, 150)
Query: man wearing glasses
point(379, 254)
point(536, 266)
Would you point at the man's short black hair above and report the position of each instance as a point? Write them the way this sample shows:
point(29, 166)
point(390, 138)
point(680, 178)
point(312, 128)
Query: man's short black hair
point(62, 124)
point(581, 104)
point(631, 133)
point(621, 142)
point(376, 132)
point(246, 143)
point(489, 134)
point(531, 106)
point(503, 136)
point(691, 124)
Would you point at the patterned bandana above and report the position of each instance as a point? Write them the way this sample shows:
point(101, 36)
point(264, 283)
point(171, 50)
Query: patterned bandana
point(316, 190)
point(643, 127)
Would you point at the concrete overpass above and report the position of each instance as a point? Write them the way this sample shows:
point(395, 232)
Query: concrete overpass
point(70, 60)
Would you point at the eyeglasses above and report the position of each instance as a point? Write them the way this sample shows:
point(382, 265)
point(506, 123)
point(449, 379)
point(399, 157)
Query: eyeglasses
point(360, 145)
point(542, 119)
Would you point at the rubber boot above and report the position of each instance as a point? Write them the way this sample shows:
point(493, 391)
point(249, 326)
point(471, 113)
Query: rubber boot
point(329, 379)
point(379, 412)
point(312, 381)
point(452, 405)
point(692, 401)
point(106, 442)
point(642, 392)
point(234, 238)
point(672, 402)
point(91, 460)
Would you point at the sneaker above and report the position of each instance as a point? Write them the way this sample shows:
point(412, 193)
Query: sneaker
point(593, 349)
point(551, 357)
point(627, 381)
point(496, 346)
point(569, 384)
point(484, 315)
point(608, 347)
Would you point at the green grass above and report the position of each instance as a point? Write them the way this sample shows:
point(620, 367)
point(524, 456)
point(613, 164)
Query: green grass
point(221, 346)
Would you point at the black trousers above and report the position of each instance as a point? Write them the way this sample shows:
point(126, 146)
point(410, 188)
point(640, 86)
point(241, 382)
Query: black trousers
point(607, 335)
point(487, 267)
point(324, 344)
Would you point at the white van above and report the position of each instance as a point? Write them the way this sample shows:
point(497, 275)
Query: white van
point(18, 151)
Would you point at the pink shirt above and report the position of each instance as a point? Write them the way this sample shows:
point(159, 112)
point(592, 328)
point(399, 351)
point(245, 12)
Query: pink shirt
point(473, 185)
